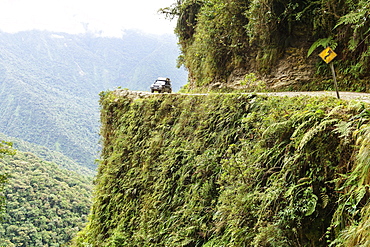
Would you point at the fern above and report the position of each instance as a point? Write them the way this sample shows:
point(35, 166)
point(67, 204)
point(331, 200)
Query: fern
point(314, 131)
point(303, 126)
point(354, 205)
point(351, 18)
point(358, 234)
point(345, 130)
point(325, 199)
point(363, 157)
point(361, 193)
point(311, 205)
point(322, 42)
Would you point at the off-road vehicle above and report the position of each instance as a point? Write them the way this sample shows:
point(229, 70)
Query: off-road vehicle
point(161, 85)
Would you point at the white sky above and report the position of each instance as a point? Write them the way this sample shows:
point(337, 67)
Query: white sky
point(110, 17)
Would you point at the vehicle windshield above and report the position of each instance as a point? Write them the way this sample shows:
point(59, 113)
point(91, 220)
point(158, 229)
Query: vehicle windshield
point(160, 82)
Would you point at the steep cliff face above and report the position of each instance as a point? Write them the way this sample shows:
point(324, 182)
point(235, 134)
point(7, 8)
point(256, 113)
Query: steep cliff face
point(231, 170)
point(272, 39)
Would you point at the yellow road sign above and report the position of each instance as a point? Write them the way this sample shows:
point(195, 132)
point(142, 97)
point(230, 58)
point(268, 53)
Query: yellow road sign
point(327, 55)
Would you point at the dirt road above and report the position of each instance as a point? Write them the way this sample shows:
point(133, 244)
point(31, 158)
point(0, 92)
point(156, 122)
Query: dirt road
point(364, 97)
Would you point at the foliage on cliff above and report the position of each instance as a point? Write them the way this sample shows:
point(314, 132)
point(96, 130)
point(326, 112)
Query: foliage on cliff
point(231, 170)
point(44, 206)
point(220, 36)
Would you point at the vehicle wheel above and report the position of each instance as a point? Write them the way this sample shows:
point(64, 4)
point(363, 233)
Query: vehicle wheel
point(152, 91)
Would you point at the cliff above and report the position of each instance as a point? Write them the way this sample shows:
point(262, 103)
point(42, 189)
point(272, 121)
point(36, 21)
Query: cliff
point(224, 42)
point(231, 170)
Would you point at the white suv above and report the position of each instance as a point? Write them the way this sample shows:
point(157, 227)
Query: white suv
point(161, 85)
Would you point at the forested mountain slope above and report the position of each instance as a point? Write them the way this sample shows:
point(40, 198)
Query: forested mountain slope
point(231, 170)
point(46, 154)
point(45, 205)
point(49, 83)
point(223, 41)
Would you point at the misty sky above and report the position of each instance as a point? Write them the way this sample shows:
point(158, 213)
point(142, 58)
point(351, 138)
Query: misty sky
point(73, 16)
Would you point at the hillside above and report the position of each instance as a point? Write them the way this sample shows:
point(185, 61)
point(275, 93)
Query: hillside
point(49, 84)
point(45, 205)
point(46, 154)
point(222, 42)
point(231, 170)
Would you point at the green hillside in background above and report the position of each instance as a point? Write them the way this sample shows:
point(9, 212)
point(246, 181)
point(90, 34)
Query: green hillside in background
point(49, 84)
point(46, 154)
point(45, 205)
point(231, 170)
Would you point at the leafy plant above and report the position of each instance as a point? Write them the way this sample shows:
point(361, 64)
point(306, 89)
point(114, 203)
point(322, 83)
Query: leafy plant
point(323, 43)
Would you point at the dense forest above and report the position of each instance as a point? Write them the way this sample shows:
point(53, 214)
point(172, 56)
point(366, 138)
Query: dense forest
point(49, 84)
point(44, 205)
point(47, 154)
point(223, 39)
point(231, 170)
point(5, 149)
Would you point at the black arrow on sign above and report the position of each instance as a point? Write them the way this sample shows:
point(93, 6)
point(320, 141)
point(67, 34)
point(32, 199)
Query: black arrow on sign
point(329, 52)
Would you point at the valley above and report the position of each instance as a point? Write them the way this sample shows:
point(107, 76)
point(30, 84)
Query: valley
point(49, 92)
point(50, 84)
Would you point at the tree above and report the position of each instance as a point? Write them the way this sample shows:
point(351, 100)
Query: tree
point(5, 149)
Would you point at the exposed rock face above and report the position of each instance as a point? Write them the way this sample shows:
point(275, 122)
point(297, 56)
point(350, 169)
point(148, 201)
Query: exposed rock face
point(292, 70)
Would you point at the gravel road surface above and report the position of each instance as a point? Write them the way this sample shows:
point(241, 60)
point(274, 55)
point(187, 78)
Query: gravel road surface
point(364, 97)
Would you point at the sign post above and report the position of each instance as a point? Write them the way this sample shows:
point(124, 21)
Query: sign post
point(328, 55)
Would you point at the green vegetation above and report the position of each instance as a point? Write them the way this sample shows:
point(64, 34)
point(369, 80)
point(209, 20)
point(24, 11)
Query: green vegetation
point(49, 155)
point(5, 149)
point(45, 206)
point(231, 170)
point(219, 37)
